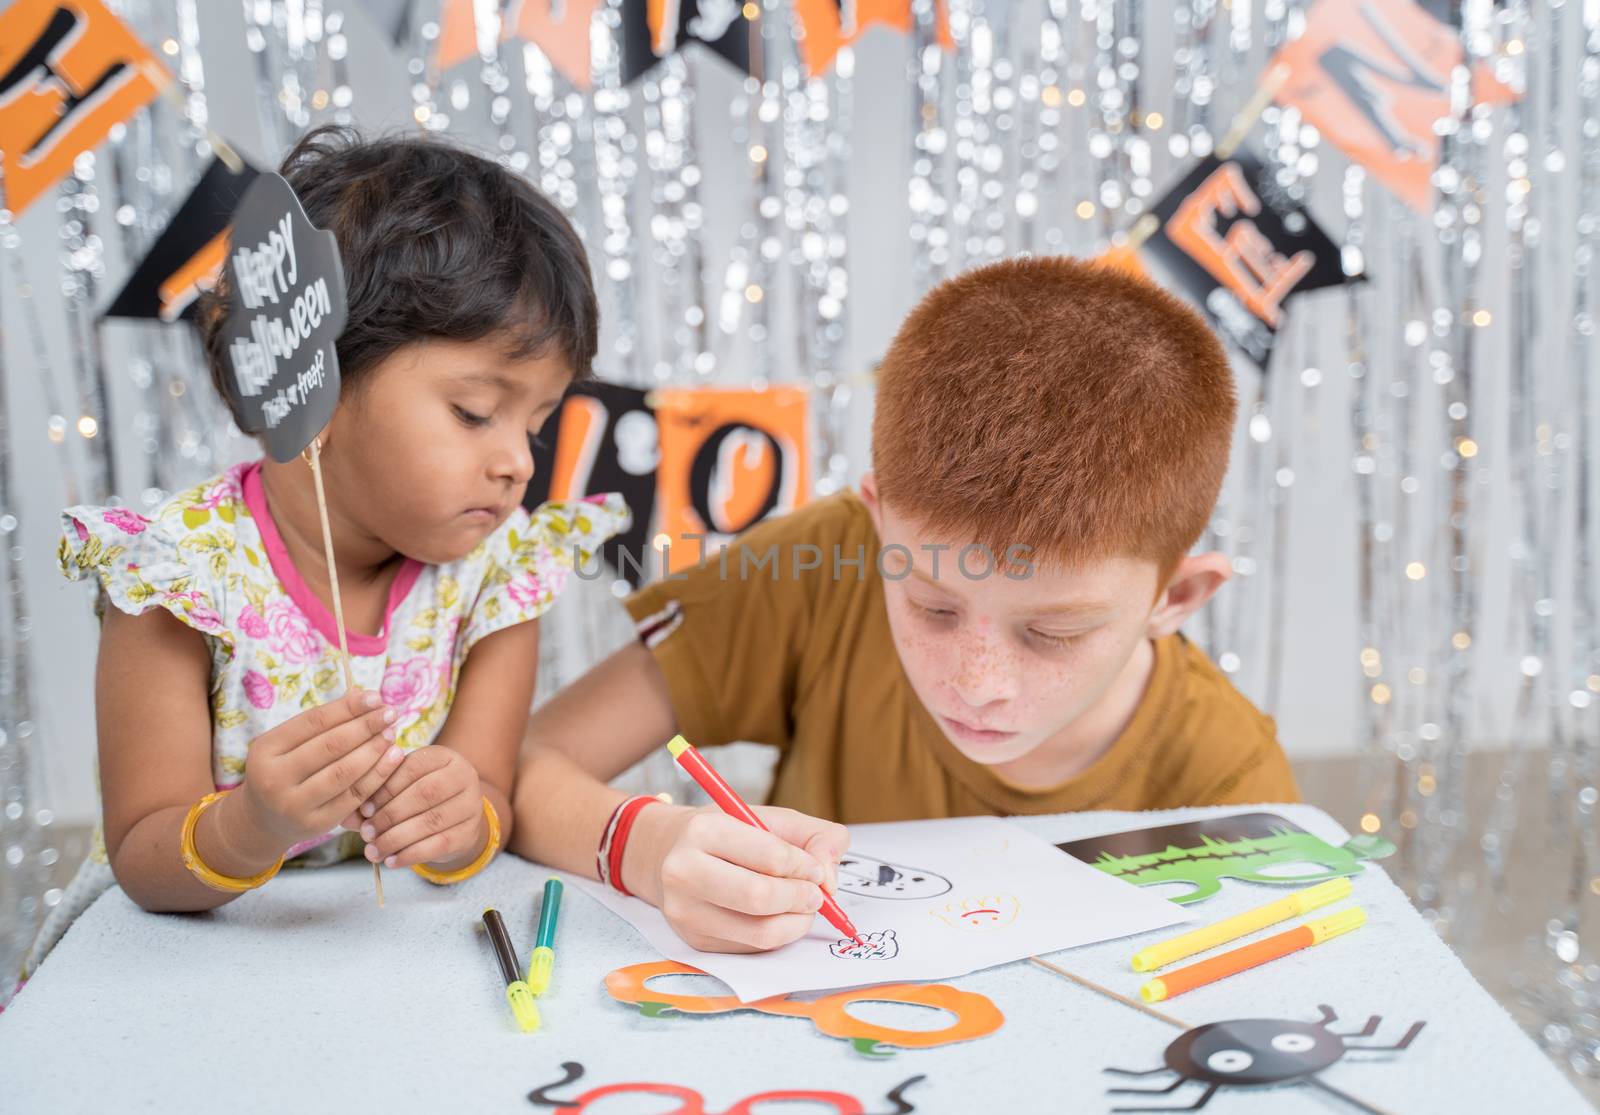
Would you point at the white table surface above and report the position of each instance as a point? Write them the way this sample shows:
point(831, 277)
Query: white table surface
point(306, 997)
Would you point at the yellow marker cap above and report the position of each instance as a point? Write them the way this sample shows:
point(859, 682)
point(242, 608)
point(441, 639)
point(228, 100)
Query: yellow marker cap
point(677, 745)
point(525, 1010)
point(1323, 894)
point(540, 965)
point(1240, 925)
point(1153, 991)
point(1343, 922)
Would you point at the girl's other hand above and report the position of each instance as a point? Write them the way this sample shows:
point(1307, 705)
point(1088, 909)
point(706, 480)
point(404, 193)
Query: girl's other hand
point(313, 769)
point(430, 810)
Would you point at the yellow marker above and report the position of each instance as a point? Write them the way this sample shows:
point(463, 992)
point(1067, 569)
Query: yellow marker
point(1301, 936)
point(523, 1008)
point(1240, 925)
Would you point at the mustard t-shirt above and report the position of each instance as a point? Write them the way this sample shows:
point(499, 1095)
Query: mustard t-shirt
point(755, 646)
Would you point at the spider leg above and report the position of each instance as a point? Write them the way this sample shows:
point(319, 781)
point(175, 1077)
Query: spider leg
point(571, 1070)
point(1410, 1036)
point(1329, 1015)
point(1170, 1088)
point(1195, 1106)
point(1371, 1028)
point(1138, 1072)
point(1361, 1105)
point(903, 1106)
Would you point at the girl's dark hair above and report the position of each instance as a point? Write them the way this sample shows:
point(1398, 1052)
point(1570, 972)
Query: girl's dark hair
point(435, 242)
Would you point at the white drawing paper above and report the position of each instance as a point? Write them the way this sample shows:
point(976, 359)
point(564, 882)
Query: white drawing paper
point(931, 900)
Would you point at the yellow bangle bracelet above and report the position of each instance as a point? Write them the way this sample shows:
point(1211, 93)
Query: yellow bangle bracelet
point(490, 847)
point(196, 865)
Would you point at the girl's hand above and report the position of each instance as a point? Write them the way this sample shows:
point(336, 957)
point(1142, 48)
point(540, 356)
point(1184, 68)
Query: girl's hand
point(430, 810)
point(309, 771)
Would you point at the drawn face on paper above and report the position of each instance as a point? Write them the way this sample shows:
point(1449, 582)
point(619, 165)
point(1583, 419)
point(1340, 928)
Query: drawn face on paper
point(981, 913)
point(876, 878)
point(879, 946)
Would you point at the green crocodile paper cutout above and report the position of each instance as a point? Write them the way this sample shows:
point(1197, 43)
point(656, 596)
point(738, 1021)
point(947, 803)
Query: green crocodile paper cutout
point(1241, 847)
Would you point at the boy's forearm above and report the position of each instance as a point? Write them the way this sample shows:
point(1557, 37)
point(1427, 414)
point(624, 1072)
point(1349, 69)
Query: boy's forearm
point(590, 732)
point(563, 809)
point(148, 863)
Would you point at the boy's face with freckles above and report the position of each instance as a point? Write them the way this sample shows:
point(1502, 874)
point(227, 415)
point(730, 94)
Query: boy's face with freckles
point(1035, 673)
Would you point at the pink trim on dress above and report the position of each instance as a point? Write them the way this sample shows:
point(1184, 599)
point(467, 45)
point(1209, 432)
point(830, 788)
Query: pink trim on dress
point(307, 845)
point(361, 645)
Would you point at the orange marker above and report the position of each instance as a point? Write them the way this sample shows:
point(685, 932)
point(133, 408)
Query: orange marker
point(1229, 963)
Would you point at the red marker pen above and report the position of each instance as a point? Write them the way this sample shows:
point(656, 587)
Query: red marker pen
point(734, 806)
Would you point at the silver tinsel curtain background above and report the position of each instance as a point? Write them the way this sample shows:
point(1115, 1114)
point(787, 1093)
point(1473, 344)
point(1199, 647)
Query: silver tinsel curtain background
point(1411, 512)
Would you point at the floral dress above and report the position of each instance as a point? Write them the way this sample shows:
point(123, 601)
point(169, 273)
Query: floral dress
point(212, 557)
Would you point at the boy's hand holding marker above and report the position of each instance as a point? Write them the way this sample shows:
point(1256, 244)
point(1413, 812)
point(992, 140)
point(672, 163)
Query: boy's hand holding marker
point(725, 886)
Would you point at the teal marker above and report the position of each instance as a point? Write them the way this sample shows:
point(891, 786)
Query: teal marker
point(543, 960)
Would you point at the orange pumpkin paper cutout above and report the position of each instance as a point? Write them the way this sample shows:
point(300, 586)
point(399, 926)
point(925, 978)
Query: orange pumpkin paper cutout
point(976, 1015)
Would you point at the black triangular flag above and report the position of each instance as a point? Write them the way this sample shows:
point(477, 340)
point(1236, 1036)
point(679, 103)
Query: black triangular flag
point(189, 251)
point(719, 24)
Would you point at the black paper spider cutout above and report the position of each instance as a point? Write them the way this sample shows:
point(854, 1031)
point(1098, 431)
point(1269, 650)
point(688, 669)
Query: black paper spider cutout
point(1246, 1051)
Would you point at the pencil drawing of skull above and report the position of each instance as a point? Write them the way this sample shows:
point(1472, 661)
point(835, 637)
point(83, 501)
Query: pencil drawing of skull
point(875, 878)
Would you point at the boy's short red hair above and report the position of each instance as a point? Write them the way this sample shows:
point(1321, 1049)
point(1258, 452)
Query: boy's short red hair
point(1057, 404)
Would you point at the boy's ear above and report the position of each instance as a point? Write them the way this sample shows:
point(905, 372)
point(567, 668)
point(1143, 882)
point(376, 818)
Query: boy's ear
point(1195, 581)
point(869, 496)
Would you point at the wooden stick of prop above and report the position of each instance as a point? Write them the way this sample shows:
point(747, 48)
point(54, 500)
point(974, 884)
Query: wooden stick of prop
point(314, 456)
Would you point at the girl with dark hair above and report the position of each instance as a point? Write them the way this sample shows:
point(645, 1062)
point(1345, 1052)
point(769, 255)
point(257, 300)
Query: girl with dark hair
point(225, 747)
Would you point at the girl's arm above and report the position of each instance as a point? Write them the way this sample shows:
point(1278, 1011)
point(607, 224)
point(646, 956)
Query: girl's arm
point(430, 810)
point(152, 705)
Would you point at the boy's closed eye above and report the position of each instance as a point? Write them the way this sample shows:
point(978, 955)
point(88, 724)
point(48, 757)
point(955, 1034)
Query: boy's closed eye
point(1055, 640)
point(1043, 638)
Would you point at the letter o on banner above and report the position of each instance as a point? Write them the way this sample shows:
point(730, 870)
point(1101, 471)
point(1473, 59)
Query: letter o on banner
point(728, 459)
point(714, 476)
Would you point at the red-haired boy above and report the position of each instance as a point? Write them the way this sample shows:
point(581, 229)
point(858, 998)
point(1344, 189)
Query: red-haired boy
point(990, 626)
